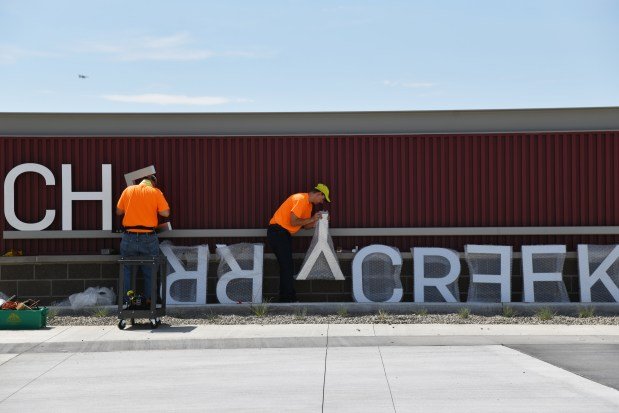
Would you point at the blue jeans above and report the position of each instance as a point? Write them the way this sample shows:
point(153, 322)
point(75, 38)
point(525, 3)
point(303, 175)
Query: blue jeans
point(133, 245)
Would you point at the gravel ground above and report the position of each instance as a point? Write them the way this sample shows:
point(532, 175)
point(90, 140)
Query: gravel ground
point(383, 318)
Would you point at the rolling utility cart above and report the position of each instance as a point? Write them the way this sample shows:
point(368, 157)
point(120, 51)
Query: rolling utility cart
point(130, 310)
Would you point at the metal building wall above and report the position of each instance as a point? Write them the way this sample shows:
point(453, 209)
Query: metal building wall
point(546, 179)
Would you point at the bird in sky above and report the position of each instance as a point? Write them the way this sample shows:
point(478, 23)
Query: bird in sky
point(82, 76)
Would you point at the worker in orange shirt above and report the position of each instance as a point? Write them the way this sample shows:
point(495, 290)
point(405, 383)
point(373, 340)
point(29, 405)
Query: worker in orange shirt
point(294, 213)
point(140, 205)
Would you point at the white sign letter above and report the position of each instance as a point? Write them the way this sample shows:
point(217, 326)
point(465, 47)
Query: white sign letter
point(131, 177)
point(321, 251)
point(484, 262)
point(605, 260)
point(436, 257)
point(9, 197)
point(105, 196)
point(549, 259)
point(194, 257)
point(229, 256)
point(383, 284)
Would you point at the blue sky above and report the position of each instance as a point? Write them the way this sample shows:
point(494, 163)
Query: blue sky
point(264, 56)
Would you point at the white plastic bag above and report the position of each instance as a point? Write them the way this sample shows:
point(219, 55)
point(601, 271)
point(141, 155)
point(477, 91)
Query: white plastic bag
point(93, 296)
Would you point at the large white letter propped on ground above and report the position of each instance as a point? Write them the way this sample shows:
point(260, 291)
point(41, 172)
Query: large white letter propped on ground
point(490, 267)
point(376, 275)
point(105, 196)
point(9, 197)
point(598, 271)
point(240, 273)
point(320, 262)
point(438, 268)
point(187, 270)
point(542, 273)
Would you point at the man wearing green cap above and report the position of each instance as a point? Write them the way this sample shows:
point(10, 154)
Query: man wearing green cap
point(294, 213)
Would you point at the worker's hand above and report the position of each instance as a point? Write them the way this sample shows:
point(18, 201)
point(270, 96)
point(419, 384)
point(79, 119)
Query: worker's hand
point(316, 217)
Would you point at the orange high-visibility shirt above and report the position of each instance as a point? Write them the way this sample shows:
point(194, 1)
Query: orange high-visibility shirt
point(141, 204)
point(298, 204)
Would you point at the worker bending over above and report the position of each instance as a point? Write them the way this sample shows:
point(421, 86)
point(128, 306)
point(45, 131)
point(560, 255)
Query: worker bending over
point(294, 213)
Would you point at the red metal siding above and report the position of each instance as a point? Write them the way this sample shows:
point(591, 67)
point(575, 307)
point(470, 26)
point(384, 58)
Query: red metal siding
point(546, 179)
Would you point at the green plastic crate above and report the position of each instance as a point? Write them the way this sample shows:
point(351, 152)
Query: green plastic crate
point(23, 319)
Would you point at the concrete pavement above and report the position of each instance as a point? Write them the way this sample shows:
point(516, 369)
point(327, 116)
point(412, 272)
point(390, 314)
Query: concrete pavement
point(312, 368)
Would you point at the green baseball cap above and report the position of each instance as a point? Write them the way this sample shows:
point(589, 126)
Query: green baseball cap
point(324, 189)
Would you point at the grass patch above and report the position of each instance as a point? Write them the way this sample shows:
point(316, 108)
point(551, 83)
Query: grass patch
point(342, 312)
point(300, 313)
point(101, 312)
point(545, 314)
point(260, 310)
point(422, 312)
point(586, 312)
point(464, 313)
point(383, 315)
point(509, 312)
point(206, 314)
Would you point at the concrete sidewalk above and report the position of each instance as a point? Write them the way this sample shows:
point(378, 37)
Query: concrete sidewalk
point(141, 337)
point(312, 368)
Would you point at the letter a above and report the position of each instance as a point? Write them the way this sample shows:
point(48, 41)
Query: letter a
point(321, 252)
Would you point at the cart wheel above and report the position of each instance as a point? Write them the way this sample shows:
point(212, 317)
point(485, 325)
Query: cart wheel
point(153, 323)
point(122, 324)
point(158, 321)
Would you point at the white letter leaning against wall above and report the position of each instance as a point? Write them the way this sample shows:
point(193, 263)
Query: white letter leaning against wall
point(181, 274)
point(9, 197)
point(605, 256)
point(240, 277)
point(105, 196)
point(484, 262)
point(132, 177)
point(386, 275)
point(436, 256)
point(550, 259)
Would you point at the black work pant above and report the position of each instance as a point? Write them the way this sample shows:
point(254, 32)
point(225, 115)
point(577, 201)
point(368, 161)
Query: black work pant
point(280, 241)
